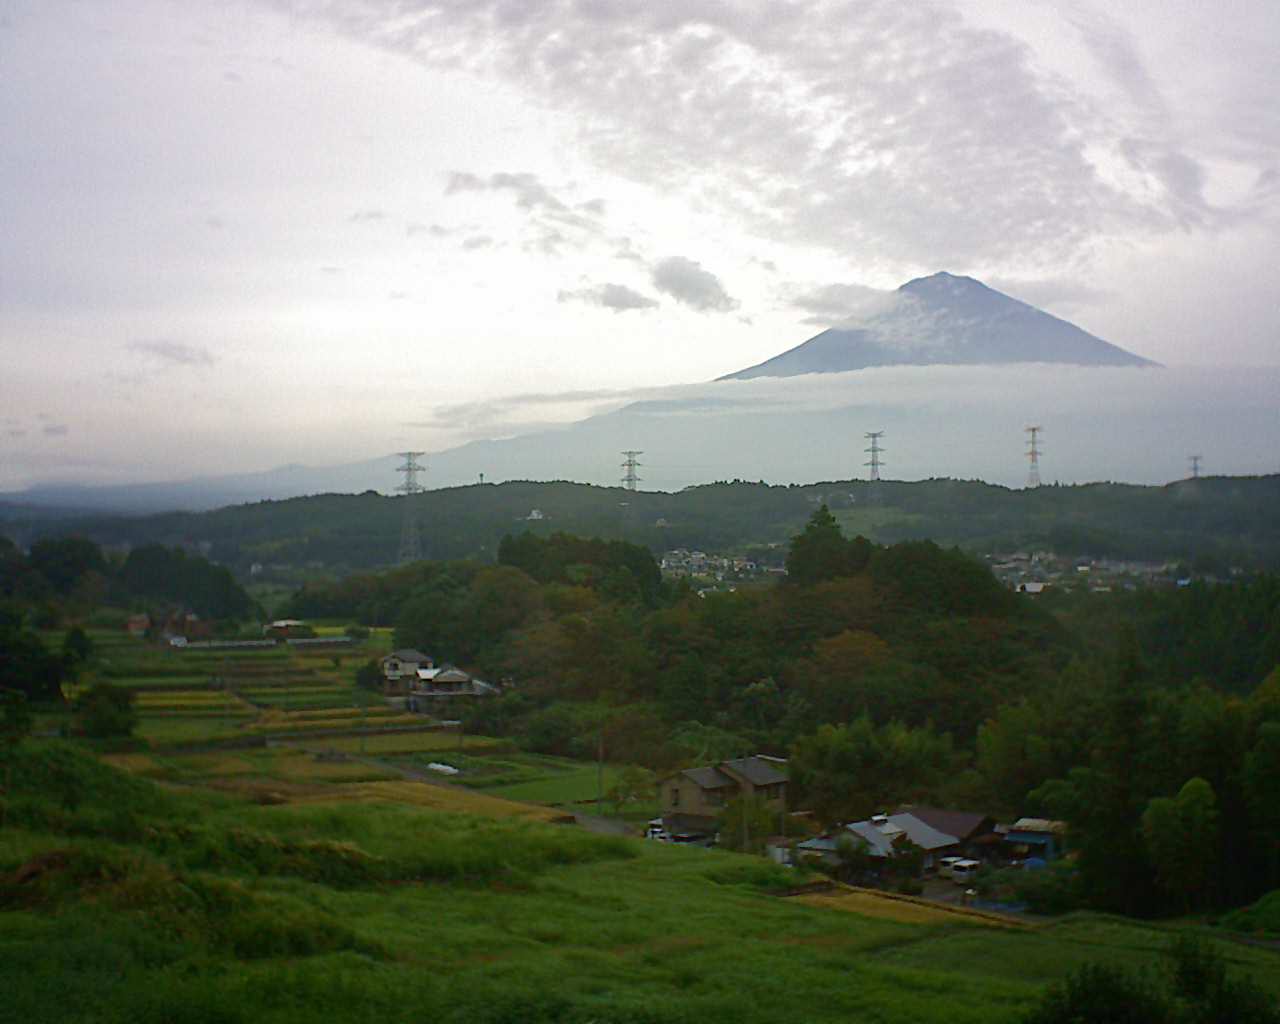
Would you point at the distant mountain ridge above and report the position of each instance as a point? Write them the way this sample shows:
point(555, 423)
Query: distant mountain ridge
point(946, 319)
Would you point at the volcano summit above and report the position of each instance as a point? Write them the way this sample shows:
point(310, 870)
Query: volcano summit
point(945, 320)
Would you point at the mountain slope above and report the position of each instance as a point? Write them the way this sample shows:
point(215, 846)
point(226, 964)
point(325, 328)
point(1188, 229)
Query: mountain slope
point(945, 319)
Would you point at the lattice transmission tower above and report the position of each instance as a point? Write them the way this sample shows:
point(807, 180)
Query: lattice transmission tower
point(1033, 454)
point(629, 477)
point(875, 451)
point(410, 547)
point(875, 462)
point(1195, 465)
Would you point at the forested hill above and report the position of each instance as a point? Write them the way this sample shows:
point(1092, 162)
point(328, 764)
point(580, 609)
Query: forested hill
point(1212, 523)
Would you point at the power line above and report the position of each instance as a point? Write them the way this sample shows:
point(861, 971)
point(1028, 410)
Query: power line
point(410, 547)
point(1033, 453)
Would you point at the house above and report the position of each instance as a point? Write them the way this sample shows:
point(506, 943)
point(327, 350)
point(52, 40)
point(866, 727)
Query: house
point(693, 799)
point(975, 833)
point(1035, 837)
point(137, 625)
point(433, 688)
point(283, 629)
point(404, 664)
point(883, 836)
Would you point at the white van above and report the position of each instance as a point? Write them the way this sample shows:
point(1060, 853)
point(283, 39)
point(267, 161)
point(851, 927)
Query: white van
point(945, 864)
point(963, 872)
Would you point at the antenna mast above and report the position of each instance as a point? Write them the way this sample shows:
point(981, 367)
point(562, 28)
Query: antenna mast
point(1033, 453)
point(1195, 465)
point(629, 477)
point(410, 548)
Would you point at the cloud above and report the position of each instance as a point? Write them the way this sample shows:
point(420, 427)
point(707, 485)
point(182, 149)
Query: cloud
point(529, 192)
point(174, 353)
point(434, 230)
point(477, 242)
point(860, 125)
point(844, 303)
point(687, 282)
point(56, 430)
point(511, 414)
point(367, 216)
point(553, 224)
point(617, 297)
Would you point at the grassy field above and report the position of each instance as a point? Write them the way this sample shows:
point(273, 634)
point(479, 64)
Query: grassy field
point(145, 904)
point(531, 777)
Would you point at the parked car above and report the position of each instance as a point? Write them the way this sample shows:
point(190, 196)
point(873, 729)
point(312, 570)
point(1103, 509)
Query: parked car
point(656, 830)
point(945, 864)
point(963, 872)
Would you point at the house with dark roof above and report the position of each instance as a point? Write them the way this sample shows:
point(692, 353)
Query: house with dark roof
point(975, 833)
point(693, 799)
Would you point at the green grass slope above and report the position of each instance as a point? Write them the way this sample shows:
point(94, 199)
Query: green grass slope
point(121, 900)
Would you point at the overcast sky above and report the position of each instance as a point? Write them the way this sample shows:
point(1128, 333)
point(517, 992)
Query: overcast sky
point(238, 234)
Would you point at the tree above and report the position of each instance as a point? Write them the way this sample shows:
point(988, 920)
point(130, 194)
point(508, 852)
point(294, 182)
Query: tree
point(1261, 777)
point(369, 675)
point(107, 711)
point(821, 552)
point(745, 822)
point(77, 648)
point(1182, 837)
point(844, 773)
point(854, 855)
point(15, 726)
point(633, 785)
point(27, 667)
point(63, 560)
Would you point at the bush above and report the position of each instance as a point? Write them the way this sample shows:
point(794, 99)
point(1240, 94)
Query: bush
point(1262, 918)
point(106, 710)
point(1054, 889)
point(757, 873)
point(1195, 989)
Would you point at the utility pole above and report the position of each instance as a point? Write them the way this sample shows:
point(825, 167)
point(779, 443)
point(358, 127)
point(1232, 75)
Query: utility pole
point(410, 547)
point(1033, 453)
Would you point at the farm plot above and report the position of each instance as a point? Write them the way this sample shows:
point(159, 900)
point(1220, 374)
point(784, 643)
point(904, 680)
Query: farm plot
point(277, 722)
point(426, 741)
point(169, 730)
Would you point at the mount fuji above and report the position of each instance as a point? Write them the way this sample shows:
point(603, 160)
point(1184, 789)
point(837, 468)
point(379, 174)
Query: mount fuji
point(945, 320)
